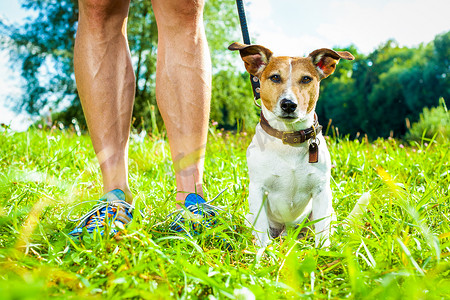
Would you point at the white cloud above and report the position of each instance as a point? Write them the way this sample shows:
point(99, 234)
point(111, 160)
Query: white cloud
point(258, 9)
point(266, 29)
point(367, 25)
point(298, 27)
point(282, 44)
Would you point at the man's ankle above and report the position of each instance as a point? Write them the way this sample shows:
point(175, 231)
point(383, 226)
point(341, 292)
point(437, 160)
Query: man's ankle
point(182, 194)
point(126, 191)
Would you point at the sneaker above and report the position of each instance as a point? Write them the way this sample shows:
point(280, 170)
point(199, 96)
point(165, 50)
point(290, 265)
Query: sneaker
point(111, 210)
point(196, 215)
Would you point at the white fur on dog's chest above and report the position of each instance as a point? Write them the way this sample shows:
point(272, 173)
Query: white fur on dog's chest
point(285, 176)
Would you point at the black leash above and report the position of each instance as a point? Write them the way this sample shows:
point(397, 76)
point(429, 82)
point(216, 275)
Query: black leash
point(246, 37)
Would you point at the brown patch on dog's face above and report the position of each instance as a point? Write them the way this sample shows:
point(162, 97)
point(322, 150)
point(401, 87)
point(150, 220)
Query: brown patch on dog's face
point(290, 78)
point(255, 57)
point(326, 60)
point(307, 91)
point(270, 89)
point(289, 85)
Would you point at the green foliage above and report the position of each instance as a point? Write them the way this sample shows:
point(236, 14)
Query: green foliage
point(400, 250)
point(143, 42)
point(434, 123)
point(337, 96)
point(384, 88)
point(232, 100)
point(43, 45)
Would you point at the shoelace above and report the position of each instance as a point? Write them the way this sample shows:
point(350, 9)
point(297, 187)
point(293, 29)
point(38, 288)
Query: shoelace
point(194, 208)
point(201, 209)
point(101, 204)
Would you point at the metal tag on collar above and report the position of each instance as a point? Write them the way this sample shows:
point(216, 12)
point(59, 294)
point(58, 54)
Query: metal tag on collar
point(313, 148)
point(313, 152)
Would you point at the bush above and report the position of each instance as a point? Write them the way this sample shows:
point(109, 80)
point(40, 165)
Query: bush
point(232, 101)
point(433, 122)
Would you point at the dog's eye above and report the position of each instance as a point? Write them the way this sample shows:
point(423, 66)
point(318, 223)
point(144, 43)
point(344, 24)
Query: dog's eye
point(306, 79)
point(275, 78)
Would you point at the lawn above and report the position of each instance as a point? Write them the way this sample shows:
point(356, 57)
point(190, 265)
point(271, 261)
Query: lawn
point(399, 250)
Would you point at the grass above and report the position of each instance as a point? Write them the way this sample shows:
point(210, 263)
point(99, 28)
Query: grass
point(400, 249)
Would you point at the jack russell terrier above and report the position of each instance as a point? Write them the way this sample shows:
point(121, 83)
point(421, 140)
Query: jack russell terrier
point(288, 161)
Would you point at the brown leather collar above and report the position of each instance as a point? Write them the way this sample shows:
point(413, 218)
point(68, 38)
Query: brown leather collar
point(292, 137)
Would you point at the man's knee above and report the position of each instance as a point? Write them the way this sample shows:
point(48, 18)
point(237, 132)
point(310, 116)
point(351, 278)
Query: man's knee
point(189, 9)
point(187, 12)
point(102, 10)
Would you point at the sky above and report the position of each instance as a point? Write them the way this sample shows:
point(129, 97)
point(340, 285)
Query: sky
point(294, 27)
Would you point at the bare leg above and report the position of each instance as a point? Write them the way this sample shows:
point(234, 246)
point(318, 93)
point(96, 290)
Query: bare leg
point(183, 87)
point(106, 85)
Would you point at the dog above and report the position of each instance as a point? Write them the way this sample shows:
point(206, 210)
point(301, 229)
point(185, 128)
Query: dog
point(288, 161)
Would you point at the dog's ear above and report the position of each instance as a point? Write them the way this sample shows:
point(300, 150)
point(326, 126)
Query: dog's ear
point(325, 60)
point(255, 57)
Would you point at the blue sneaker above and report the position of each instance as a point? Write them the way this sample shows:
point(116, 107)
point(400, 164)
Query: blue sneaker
point(111, 210)
point(196, 215)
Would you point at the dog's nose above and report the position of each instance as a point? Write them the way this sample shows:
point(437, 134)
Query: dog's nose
point(288, 106)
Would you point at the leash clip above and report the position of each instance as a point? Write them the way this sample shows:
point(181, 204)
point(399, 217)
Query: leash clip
point(256, 102)
point(314, 147)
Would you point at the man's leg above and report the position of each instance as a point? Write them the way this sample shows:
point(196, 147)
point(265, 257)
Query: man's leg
point(183, 87)
point(106, 85)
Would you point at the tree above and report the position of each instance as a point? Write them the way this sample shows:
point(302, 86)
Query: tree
point(336, 101)
point(232, 100)
point(44, 46)
point(376, 93)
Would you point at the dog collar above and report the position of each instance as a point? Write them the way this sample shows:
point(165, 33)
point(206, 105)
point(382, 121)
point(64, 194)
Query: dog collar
point(296, 137)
